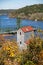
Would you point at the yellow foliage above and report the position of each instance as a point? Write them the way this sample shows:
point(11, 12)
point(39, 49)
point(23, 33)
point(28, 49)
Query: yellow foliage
point(11, 48)
point(12, 54)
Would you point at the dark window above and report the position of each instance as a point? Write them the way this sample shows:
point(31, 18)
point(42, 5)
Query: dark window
point(20, 42)
point(20, 33)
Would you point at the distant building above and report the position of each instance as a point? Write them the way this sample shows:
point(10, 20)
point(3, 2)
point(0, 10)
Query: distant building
point(35, 19)
point(23, 34)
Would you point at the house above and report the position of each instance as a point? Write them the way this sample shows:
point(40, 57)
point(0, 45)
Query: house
point(23, 34)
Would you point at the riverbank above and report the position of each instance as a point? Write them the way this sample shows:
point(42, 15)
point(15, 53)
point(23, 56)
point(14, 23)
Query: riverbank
point(33, 16)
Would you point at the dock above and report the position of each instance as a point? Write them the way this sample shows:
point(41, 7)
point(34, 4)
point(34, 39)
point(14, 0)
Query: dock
point(10, 32)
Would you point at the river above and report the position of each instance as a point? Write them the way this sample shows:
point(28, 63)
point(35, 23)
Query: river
point(10, 24)
point(6, 22)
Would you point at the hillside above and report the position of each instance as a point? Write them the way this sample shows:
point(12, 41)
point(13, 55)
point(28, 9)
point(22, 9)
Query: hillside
point(31, 9)
point(29, 12)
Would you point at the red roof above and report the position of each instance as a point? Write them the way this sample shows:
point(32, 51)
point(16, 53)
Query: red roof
point(27, 29)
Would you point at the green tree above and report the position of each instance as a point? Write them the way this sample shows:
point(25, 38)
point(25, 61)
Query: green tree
point(18, 22)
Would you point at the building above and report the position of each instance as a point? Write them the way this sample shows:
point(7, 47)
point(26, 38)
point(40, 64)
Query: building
point(23, 34)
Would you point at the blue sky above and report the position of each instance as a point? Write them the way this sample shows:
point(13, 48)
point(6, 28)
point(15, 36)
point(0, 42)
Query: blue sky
point(15, 4)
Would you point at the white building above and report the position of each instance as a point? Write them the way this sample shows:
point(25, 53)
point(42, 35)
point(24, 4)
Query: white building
point(23, 34)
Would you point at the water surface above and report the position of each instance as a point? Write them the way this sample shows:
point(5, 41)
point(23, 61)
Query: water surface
point(10, 24)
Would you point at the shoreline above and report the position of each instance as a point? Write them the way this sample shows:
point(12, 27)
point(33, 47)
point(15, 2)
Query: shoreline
point(33, 17)
point(37, 18)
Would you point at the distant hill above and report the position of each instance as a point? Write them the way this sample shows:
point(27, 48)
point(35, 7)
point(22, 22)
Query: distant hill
point(32, 12)
point(31, 9)
point(6, 11)
point(29, 12)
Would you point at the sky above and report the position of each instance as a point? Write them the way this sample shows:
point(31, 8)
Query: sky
point(16, 4)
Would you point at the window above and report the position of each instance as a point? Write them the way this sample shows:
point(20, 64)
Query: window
point(20, 42)
point(20, 33)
